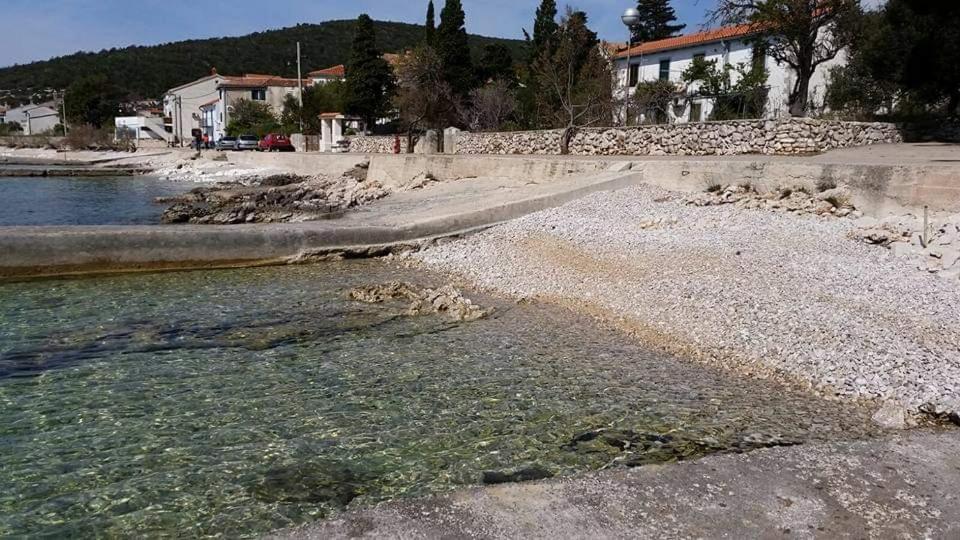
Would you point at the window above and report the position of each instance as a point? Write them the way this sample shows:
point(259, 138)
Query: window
point(259, 94)
point(759, 57)
point(634, 75)
point(696, 112)
point(665, 70)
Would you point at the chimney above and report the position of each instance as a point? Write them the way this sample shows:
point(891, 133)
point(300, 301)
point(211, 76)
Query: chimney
point(213, 71)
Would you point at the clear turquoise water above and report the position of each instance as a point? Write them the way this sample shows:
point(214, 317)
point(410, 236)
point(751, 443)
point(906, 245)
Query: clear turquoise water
point(232, 403)
point(85, 201)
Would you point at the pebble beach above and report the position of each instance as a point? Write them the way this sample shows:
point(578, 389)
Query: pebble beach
point(776, 295)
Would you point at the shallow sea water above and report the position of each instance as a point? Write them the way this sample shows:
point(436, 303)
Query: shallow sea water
point(232, 403)
point(85, 201)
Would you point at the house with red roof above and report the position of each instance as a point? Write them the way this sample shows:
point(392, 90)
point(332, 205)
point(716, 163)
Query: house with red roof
point(207, 103)
point(667, 59)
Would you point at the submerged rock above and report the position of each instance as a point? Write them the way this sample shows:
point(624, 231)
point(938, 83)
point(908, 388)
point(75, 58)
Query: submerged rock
point(423, 301)
point(310, 482)
point(527, 474)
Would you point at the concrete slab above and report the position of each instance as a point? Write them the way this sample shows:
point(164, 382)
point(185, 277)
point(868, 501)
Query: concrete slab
point(445, 209)
point(903, 486)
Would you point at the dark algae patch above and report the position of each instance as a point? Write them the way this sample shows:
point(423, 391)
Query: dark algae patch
point(237, 402)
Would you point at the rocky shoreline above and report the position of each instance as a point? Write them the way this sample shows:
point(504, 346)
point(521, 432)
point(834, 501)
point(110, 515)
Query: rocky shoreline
point(777, 286)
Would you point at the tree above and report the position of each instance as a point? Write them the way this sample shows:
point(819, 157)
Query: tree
point(657, 20)
point(491, 106)
point(318, 99)
point(369, 82)
point(496, 64)
point(251, 117)
point(454, 51)
point(94, 100)
point(744, 98)
point(575, 78)
point(802, 34)
point(10, 128)
point(424, 99)
point(430, 32)
point(853, 91)
point(533, 110)
point(544, 29)
point(925, 36)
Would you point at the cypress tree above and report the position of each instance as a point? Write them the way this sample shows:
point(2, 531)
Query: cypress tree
point(430, 36)
point(544, 27)
point(657, 19)
point(454, 49)
point(369, 83)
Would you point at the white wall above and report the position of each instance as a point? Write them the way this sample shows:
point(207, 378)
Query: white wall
point(733, 52)
point(191, 97)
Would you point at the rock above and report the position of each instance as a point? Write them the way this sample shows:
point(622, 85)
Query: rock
point(891, 415)
point(446, 300)
point(310, 482)
point(523, 475)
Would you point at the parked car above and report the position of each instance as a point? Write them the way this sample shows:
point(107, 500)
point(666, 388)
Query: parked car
point(226, 143)
point(274, 142)
point(248, 142)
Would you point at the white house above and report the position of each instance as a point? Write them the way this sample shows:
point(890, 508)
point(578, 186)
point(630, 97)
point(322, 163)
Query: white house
point(34, 119)
point(330, 74)
point(206, 104)
point(667, 59)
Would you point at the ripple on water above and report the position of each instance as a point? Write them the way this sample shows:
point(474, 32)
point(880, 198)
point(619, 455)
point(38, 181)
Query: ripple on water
point(237, 402)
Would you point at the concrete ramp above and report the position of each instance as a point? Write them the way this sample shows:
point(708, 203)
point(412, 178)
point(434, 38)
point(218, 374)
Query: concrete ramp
point(412, 217)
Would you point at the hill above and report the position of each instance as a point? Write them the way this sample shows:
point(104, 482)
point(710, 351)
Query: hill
point(148, 71)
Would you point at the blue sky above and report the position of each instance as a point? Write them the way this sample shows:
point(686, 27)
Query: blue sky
point(39, 29)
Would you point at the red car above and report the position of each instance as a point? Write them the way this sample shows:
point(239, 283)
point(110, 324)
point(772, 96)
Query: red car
point(275, 142)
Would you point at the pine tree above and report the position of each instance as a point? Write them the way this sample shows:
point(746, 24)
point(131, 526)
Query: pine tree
point(430, 36)
point(369, 83)
point(656, 21)
point(454, 50)
point(544, 28)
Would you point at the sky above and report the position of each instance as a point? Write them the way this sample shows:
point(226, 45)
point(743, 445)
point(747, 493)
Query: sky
point(40, 29)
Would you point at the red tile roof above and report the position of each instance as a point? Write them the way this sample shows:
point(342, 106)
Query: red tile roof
point(257, 80)
point(335, 71)
point(690, 40)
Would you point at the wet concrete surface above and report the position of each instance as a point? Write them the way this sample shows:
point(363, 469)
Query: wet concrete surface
point(901, 486)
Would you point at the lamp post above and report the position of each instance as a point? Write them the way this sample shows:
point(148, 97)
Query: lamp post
point(630, 18)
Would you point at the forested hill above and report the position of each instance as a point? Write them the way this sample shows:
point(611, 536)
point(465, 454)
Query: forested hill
point(147, 72)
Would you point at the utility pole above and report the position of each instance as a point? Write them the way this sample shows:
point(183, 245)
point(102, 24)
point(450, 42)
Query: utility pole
point(63, 107)
point(300, 87)
point(180, 120)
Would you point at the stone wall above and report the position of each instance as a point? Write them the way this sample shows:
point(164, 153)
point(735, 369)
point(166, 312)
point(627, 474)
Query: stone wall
point(792, 136)
point(376, 144)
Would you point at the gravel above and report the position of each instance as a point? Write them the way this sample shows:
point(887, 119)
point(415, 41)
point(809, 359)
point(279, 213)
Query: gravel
point(768, 294)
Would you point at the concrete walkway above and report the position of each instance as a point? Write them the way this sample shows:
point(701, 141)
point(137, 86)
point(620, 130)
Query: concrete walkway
point(903, 486)
point(444, 209)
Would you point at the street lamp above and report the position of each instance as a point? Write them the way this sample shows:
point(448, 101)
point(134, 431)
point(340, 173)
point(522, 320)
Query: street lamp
point(630, 18)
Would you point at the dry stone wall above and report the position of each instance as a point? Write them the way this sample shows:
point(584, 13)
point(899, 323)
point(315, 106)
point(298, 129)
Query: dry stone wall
point(793, 136)
point(375, 144)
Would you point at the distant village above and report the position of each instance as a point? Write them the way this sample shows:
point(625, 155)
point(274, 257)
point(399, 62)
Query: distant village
point(748, 68)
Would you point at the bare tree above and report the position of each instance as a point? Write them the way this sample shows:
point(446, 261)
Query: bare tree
point(575, 78)
point(424, 99)
point(802, 34)
point(490, 107)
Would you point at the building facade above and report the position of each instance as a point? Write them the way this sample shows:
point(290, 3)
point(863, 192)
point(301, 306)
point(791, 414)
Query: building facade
point(668, 59)
point(206, 104)
point(34, 119)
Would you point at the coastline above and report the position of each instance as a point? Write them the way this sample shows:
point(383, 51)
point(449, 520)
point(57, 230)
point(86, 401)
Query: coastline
point(798, 302)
